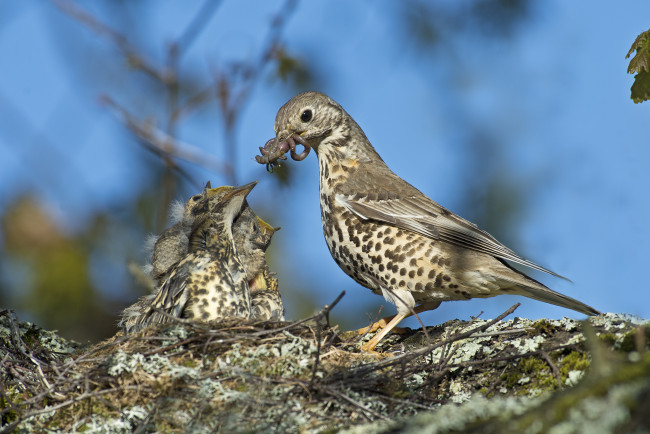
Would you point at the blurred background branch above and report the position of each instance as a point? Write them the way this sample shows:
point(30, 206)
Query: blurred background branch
point(508, 127)
point(62, 290)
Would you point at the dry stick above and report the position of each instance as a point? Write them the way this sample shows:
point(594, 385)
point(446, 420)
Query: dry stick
point(372, 322)
point(444, 359)
point(494, 385)
point(22, 347)
point(135, 59)
point(504, 332)
point(337, 394)
point(508, 358)
point(449, 350)
point(554, 369)
point(411, 403)
point(232, 101)
point(162, 143)
point(640, 339)
point(317, 358)
point(73, 400)
point(363, 370)
point(324, 314)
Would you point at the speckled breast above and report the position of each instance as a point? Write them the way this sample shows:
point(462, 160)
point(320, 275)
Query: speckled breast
point(375, 254)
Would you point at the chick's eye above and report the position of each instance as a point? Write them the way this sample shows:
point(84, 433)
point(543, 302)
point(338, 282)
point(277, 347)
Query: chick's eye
point(306, 116)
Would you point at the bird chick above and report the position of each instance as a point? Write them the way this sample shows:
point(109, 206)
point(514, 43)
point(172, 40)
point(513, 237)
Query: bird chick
point(209, 283)
point(171, 246)
point(252, 237)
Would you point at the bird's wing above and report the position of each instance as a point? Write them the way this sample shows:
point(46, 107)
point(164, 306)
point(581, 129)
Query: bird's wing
point(171, 298)
point(420, 214)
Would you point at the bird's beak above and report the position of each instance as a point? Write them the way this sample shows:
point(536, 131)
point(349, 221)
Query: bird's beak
point(244, 190)
point(211, 192)
point(283, 135)
point(236, 197)
point(267, 228)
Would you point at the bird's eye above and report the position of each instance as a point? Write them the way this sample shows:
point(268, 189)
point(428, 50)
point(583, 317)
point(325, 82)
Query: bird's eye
point(306, 116)
point(196, 197)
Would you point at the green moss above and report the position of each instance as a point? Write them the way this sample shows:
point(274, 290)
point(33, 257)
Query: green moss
point(530, 376)
point(628, 343)
point(608, 338)
point(511, 379)
point(531, 365)
point(240, 386)
point(31, 336)
point(574, 361)
point(190, 363)
point(9, 416)
point(544, 327)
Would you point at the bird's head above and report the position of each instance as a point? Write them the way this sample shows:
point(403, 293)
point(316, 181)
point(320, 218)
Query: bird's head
point(230, 200)
point(314, 120)
point(310, 115)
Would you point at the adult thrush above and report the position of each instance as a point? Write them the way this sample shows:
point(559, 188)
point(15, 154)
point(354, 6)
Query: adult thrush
point(390, 237)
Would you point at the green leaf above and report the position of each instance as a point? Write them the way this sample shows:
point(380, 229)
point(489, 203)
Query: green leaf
point(640, 64)
point(641, 60)
point(641, 87)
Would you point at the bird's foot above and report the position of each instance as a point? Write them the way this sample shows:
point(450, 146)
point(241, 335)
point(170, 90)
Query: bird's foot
point(374, 327)
point(382, 323)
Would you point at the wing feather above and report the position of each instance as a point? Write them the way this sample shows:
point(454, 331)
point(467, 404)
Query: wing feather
point(421, 215)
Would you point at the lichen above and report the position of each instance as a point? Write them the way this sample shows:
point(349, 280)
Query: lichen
point(279, 377)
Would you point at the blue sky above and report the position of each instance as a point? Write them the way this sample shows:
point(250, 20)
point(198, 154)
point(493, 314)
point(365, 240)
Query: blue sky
point(555, 98)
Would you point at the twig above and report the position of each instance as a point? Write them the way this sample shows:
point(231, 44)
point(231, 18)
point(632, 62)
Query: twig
point(317, 358)
point(337, 394)
point(232, 101)
point(134, 58)
point(321, 314)
point(75, 399)
point(187, 38)
point(554, 369)
point(161, 142)
point(503, 332)
point(363, 370)
point(508, 358)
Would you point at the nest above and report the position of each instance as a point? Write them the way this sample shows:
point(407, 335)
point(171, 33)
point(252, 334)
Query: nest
point(289, 376)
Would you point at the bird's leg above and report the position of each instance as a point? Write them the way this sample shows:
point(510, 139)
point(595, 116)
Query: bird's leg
point(372, 343)
point(376, 325)
point(385, 323)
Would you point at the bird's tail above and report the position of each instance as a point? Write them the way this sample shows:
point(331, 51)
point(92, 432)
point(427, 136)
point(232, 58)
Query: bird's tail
point(547, 295)
point(518, 283)
point(515, 282)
